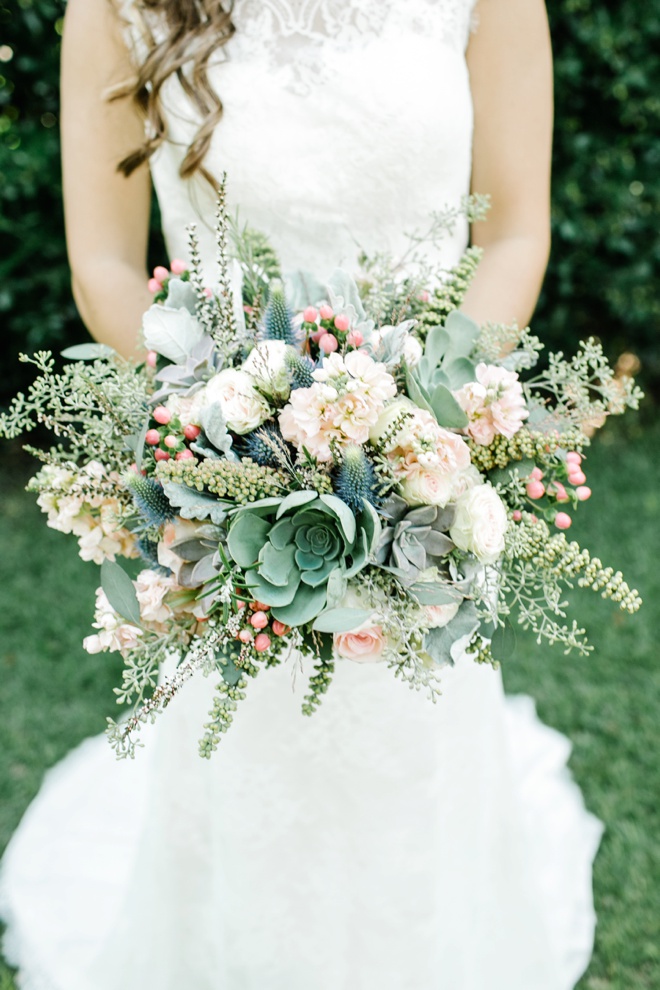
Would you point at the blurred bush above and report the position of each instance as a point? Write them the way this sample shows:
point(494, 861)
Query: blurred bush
point(605, 264)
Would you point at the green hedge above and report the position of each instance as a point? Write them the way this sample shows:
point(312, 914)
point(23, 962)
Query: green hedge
point(605, 264)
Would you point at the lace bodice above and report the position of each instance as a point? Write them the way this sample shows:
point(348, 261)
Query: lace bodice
point(346, 123)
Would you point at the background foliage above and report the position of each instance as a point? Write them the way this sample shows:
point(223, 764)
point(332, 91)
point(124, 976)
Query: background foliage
point(606, 255)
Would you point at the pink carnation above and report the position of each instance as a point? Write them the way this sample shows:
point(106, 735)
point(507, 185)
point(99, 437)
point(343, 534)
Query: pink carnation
point(494, 404)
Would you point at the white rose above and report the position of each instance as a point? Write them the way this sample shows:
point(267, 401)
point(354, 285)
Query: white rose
point(467, 479)
point(242, 406)
point(267, 364)
point(480, 523)
point(426, 486)
point(438, 616)
point(412, 350)
point(188, 408)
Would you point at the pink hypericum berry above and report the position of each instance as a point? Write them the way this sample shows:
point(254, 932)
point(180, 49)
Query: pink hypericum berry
point(534, 518)
point(424, 296)
point(160, 274)
point(259, 607)
point(184, 455)
point(178, 267)
point(162, 415)
point(259, 620)
point(563, 521)
point(310, 315)
point(328, 343)
point(152, 437)
point(316, 336)
point(572, 457)
point(246, 636)
point(154, 285)
point(516, 515)
point(583, 493)
point(342, 323)
point(241, 605)
point(536, 489)
point(326, 312)
point(355, 338)
point(191, 432)
point(152, 359)
point(171, 441)
point(559, 491)
point(536, 474)
point(577, 477)
point(208, 293)
point(161, 455)
point(262, 643)
point(279, 628)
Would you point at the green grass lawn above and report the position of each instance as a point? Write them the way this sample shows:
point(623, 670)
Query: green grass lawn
point(53, 694)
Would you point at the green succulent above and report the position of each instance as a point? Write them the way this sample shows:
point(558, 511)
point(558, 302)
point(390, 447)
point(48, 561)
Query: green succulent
point(299, 551)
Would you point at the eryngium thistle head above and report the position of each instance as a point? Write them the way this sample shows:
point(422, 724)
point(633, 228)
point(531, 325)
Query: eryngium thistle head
point(278, 320)
point(149, 498)
point(148, 550)
point(356, 479)
point(266, 446)
point(300, 368)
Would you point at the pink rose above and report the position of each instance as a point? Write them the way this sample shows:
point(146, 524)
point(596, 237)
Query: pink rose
point(362, 645)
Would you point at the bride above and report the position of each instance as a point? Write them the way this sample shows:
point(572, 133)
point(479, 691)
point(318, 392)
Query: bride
point(387, 843)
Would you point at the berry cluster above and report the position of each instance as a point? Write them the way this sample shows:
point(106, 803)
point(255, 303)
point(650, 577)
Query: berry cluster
point(259, 626)
point(327, 332)
point(161, 276)
point(555, 490)
point(170, 439)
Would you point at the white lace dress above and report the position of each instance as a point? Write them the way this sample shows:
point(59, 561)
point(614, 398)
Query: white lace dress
point(386, 843)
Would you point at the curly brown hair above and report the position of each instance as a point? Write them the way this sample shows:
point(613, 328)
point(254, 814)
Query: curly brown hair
point(194, 30)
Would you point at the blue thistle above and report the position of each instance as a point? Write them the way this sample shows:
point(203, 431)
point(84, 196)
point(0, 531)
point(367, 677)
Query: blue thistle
point(148, 550)
point(150, 499)
point(278, 319)
point(355, 482)
point(262, 446)
point(300, 368)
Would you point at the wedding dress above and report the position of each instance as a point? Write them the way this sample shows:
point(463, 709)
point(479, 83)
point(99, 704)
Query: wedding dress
point(386, 843)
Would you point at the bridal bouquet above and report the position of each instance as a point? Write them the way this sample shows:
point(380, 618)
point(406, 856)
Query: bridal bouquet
point(349, 470)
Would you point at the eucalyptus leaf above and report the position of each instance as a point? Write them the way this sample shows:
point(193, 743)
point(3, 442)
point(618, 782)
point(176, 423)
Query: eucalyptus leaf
point(433, 593)
point(337, 620)
point(88, 352)
point(437, 344)
point(417, 393)
point(463, 333)
point(120, 592)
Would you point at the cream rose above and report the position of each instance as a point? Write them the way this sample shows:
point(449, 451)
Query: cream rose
point(480, 523)
point(426, 486)
point(438, 616)
point(242, 406)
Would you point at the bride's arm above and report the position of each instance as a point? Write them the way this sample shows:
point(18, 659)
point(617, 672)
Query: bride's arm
point(107, 215)
point(510, 63)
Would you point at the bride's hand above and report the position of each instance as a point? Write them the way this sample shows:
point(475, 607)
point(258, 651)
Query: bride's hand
point(510, 63)
point(106, 214)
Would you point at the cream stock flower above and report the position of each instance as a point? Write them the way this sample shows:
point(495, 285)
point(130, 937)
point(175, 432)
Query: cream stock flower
point(494, 403)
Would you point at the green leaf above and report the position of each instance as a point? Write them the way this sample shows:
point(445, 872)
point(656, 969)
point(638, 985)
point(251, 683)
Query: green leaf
point(446, 409)
point(295, 500)
point(416, 392)
point(433, 593)
point(246, 538)
point(88, 352)
point(437, 343)
point(459, 372)
point(334, 620)
point(306, 605)
point(272, 594)
point(276, 565)
point(120, 592)
point(343, 514)
point(463, 333)
point(503, 475)
point(215, 427)
point(135, 442)
point(191, 504)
